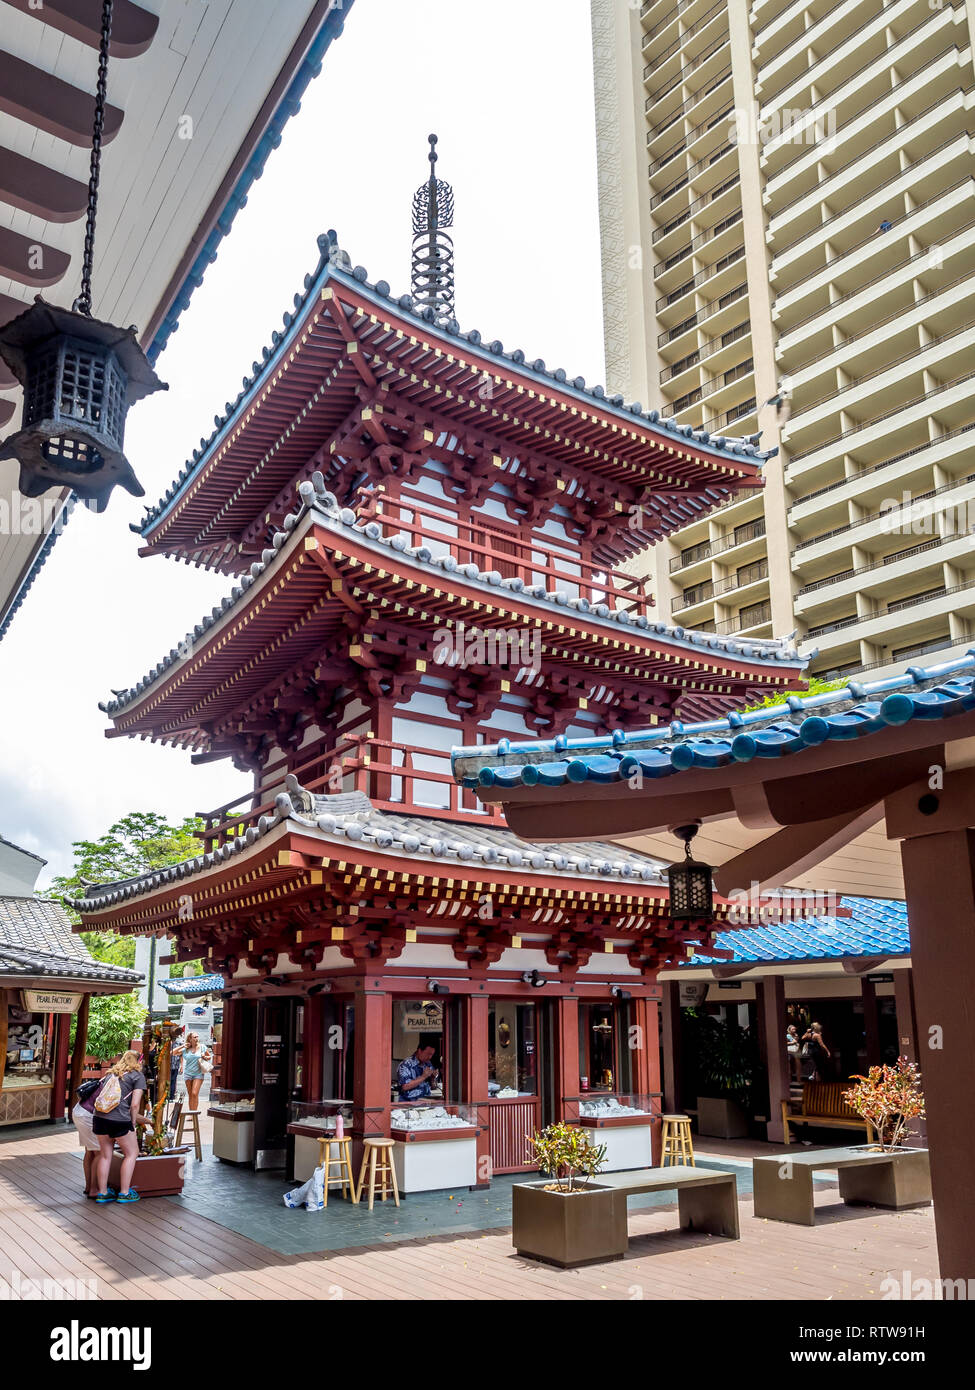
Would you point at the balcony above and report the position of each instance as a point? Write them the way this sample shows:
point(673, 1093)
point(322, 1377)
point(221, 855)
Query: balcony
point(858, 478)
point(864, 425)
point(883, 516)
point(743, 622)
point(417, 781)
point(702, 593)
point(702, 315)
point(667, 53)
point(707, 550)
point(682, 75)
point(702, 277)
point(707, 350)
point(532, 559)
point(942, 644)
point(910, 553)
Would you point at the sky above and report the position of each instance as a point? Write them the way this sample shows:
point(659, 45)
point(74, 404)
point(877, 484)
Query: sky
point(507, 87)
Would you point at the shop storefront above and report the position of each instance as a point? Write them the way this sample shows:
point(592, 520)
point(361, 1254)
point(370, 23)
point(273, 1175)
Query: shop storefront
point(42, 991)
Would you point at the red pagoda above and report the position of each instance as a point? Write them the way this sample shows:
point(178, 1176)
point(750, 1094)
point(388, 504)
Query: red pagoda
point(428, 535)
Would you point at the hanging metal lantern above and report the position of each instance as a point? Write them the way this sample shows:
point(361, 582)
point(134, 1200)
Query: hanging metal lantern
point(691, 890)
point(79, 375)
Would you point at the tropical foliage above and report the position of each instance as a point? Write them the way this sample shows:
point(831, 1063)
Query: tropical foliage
point(564, 1151)
point(137, 844)
point(890, 1098)
point(725, 1056)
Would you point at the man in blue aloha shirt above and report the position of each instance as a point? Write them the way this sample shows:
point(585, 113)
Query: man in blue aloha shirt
point(413, 1075)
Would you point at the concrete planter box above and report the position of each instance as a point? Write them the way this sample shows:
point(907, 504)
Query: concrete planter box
point(721, 1117)
point(161, 1176)
point(584, 1228)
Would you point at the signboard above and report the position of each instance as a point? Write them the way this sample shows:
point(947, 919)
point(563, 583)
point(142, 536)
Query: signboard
point(196, 1016)
point(50, 1001)
point(693, 993)
point(421, 1016)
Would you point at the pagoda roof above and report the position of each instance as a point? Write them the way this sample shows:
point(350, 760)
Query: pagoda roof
point(347, 337)
point(349, 821)
point(702, 655)
point(785, 730)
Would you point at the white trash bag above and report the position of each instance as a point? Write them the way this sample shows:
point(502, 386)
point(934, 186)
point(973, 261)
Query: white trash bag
point(311, 1194)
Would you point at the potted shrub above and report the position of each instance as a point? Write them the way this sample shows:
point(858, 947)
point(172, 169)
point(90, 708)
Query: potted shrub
point(890, 1098)
point(568, 1219)
point(725, 1056)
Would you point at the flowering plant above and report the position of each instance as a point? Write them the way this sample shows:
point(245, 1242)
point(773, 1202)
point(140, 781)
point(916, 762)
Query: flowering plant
point(890, 1098)
point(565, 1152)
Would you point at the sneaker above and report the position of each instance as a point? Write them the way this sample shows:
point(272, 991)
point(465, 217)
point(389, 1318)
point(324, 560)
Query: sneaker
point(130, 1196)
point(109, 1192)
point(104, 1197)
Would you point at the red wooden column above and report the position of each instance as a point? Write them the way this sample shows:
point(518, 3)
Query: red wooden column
point(646, 1060)
point(230, 1067)
point(567, 1061)
point(474, 1080)
point(871, 1021)
point(907, 1044)
point(373, 1055)
point(673, 1099)
point(313, 1059)
point(80, 1050)
point(773, 1007)
point(938, 854)
point(60, 1075)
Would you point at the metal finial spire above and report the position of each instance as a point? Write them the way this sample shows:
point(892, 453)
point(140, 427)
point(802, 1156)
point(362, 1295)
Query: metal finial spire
point(433, 250)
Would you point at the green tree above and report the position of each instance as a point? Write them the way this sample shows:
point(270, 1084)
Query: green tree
point(814, 686)
point(137, 844)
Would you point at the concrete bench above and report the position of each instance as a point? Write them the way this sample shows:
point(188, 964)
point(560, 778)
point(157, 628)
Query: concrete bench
point(783, 1183)
point(707, 1200)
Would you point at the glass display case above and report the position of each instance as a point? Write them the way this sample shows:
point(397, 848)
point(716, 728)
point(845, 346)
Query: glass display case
point(431, 1119)
point(606, 1111)
point(434, 1145)
point(233, 1104)
point(233, 1124)
point(623, 1124)
point(318, 1117)
point(311, 1121)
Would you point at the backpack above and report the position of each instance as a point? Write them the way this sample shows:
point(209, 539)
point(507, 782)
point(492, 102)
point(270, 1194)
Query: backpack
point(87, 1088)
point(110, 1095)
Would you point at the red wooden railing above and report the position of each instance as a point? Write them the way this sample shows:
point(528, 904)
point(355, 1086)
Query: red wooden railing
point(513, 555)
point(511, 1123)
point(383, 770)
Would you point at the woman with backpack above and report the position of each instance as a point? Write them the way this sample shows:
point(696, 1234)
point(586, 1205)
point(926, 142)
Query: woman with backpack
point(114, 1120)
point(82, 1117)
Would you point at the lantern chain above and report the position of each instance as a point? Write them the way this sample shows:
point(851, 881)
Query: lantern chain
point(82, 304)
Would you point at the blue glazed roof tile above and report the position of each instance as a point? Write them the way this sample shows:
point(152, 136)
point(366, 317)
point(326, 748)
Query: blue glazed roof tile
point(876, 926)
point(778, 731)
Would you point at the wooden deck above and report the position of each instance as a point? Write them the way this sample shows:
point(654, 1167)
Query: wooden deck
point(155, 1250)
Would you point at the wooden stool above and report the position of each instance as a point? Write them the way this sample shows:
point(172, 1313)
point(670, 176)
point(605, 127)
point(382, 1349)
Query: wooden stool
point(377, 1156)
point(342, 1161)
point(677, 1146)
point(194, 1118)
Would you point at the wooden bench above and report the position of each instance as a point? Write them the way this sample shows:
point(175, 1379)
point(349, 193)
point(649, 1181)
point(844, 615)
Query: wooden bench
point(823, 1104)
point(783, 1183)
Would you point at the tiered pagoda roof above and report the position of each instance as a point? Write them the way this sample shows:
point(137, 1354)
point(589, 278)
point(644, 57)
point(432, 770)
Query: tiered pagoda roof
point(286, 607)
point(349, 348)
